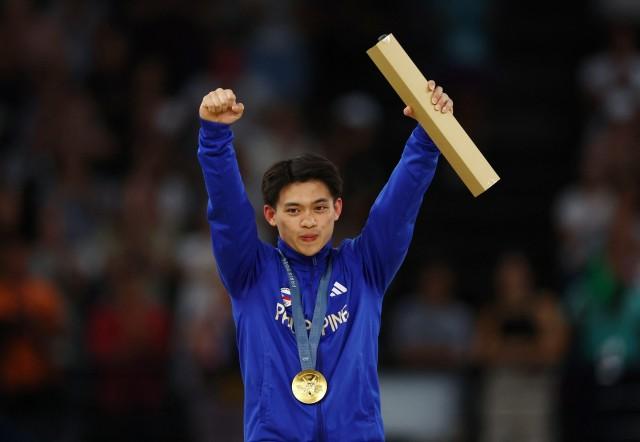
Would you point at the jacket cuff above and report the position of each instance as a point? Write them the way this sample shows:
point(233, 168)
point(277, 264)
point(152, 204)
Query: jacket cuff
point(424, 139)
point(212, 130)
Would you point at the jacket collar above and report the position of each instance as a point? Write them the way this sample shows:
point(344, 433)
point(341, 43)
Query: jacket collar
point(298, 259)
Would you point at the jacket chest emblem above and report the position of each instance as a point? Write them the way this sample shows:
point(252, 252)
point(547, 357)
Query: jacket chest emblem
point(338, 289)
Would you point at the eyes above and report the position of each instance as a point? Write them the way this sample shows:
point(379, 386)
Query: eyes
point(320, 208)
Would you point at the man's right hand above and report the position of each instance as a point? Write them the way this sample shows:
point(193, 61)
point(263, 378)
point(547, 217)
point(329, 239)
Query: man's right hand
point(220, 106)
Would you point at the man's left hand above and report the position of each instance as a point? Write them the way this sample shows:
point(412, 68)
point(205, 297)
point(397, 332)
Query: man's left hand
point(440, 100)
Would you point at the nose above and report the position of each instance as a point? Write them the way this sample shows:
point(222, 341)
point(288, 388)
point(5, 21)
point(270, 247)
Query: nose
point(308, 221)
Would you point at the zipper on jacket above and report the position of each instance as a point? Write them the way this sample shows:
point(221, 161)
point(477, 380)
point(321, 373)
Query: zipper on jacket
point(312, 279)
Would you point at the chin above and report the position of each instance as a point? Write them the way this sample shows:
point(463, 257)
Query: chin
point(309, 249)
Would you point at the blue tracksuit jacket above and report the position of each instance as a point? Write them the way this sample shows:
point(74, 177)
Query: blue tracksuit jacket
point(363, 267)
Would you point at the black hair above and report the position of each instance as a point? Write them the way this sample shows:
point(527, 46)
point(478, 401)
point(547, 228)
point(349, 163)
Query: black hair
point(300, 169)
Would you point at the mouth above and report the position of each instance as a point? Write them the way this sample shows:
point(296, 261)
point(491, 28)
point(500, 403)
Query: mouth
point(308, 237)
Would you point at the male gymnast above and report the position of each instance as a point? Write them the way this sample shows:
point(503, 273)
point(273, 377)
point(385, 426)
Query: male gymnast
point(320, 384)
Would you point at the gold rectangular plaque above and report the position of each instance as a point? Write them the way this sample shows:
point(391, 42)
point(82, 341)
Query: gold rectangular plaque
point(454, 143)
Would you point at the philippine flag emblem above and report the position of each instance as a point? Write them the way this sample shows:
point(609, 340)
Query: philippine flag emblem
point(286, 296)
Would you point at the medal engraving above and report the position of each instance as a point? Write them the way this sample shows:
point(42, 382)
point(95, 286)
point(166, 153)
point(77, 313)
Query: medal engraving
point(309, 386)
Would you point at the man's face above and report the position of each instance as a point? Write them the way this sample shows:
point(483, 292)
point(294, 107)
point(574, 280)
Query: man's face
point(305, 215)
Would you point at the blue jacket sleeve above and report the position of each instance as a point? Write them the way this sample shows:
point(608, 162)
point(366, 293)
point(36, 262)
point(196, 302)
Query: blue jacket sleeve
point(231, 218)
point(385, 238)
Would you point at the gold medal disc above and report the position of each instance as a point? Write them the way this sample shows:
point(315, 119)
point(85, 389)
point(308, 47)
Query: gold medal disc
point(309, 386)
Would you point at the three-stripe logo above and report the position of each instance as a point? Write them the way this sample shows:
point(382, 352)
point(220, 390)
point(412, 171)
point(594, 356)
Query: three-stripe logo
point(338, 289)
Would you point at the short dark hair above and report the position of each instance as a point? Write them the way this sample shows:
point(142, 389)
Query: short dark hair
point(306, 167)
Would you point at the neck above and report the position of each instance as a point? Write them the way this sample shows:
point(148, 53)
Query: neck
point(296, 257)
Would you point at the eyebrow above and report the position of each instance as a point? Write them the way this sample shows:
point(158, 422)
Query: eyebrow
point(318, 201)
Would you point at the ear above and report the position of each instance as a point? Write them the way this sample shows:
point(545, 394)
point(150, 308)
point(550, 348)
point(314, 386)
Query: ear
point(337, 207)
point(269, 214)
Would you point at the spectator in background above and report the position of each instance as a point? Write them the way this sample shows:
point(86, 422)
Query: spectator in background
point(604, 306)
point(521, 339)
point(616, 71)
point(583, 211)
point(203, 344)
point(609, 167)
point(432, 332)
point(32, 331)
point(277, 55)
point(432, 329)
point(127, 340)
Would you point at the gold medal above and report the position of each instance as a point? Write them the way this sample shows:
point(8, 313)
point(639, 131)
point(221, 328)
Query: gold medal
point(309, 386)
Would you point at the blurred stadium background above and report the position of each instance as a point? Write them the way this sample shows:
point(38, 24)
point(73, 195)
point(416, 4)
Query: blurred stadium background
point(516, 316)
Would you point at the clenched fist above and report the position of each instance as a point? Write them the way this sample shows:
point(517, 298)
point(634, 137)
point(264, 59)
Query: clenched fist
point(220, 106)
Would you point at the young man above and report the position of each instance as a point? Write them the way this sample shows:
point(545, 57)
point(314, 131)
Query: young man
point(321, 385)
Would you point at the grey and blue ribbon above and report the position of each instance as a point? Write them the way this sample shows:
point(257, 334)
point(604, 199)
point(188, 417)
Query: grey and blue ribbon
point(307, 344)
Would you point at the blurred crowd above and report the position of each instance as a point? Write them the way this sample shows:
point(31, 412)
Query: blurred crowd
point(533, 363)
point(113, 322)
point(598, 223)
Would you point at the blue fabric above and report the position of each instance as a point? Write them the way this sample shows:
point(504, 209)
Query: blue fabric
point(363, 268)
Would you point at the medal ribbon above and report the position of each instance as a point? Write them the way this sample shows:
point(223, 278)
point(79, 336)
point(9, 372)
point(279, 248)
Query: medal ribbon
point(307, 344)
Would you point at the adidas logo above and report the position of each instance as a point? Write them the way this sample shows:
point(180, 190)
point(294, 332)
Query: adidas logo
point(338, 289)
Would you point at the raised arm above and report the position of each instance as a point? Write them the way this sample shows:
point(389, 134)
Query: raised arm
point(231, 217)
point(386, 236)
